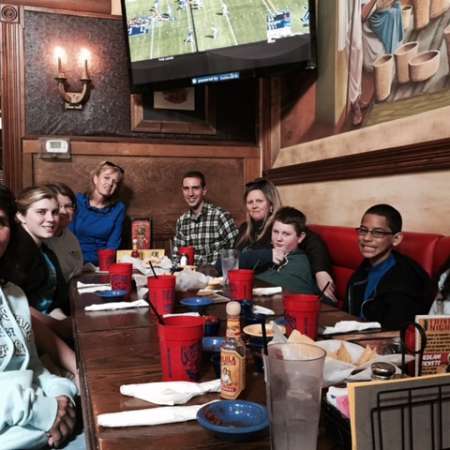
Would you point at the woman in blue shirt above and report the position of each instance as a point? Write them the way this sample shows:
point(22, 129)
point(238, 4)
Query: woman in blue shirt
point(99, 215)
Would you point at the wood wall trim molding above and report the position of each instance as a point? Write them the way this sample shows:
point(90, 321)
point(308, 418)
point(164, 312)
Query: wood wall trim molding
point(95, 6)
point(422, 157)
point(269, 120)
point(12, 93)
point(91, 147)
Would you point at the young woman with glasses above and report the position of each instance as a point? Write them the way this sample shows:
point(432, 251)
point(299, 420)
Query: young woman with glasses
point(262, 201)
point(100, 215)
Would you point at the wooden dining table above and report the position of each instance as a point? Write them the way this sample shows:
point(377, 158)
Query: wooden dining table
point(122, 347)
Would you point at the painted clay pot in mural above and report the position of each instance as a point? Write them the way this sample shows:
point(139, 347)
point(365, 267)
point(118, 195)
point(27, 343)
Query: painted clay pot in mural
point(424, 65)
point(438, 7)
point(421, 13)
point(384, 73)
point(402, 56)
point(447, 39)
point(407, 11)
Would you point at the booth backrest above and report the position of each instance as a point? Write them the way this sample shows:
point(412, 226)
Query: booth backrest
point(429, 250)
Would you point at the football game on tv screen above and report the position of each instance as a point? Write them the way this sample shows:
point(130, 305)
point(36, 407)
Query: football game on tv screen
point(193, 39)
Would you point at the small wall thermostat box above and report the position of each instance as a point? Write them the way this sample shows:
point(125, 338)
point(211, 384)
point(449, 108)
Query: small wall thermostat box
point(55, 148)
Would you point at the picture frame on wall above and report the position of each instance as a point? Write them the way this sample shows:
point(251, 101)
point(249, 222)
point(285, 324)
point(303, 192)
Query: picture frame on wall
point(180, 112)
point(181, 99)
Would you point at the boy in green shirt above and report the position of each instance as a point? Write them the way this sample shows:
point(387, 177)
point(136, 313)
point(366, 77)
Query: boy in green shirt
point(291, 269)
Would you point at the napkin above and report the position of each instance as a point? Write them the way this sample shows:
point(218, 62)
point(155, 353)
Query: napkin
point(116, 305)
point(267, 290)
point(345, 326)
point(169, 392)
point(192, 314)
point(152, 416)
point(258, 309)
point(84, 288)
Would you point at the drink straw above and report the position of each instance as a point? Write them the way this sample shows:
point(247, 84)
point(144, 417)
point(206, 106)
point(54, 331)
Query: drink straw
point(153, 269)
point(158, 316)
point(264, 335)
point(322, 292)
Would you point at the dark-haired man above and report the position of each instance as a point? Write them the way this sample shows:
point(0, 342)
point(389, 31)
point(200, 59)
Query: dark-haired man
point(387, 287)
point(207, 227)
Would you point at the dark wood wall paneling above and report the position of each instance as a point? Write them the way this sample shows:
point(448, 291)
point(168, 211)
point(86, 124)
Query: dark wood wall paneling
point(12, 91)
point(93, 6)
point(154, 163)
point(107, 113)
point(153, 175)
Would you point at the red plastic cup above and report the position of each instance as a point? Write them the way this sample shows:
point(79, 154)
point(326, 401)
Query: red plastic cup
point(180, 344)
point(120, 276)
point(162, 293)
point(241, 284)
point(189, 251)
point(106, 257)
point(301, 312)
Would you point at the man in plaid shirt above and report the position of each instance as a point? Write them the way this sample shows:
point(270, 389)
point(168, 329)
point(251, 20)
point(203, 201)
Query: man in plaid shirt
point(207, 227)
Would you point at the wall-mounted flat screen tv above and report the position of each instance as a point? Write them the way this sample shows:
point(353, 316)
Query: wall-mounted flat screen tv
point(195, 41)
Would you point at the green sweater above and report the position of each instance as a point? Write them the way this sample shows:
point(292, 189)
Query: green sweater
point(295, 276)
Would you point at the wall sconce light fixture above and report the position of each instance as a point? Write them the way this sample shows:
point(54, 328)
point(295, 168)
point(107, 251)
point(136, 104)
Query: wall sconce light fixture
point(73, 100)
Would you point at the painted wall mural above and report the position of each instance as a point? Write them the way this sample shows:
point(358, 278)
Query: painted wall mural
point(386, 60)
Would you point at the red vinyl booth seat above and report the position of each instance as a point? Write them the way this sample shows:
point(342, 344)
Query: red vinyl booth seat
point(429, 250)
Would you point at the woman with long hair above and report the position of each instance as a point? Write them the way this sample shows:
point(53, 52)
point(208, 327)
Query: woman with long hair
point(262, 201)
point(100, 215)
point(64, 243)
point(36, 407)
point(31, 265)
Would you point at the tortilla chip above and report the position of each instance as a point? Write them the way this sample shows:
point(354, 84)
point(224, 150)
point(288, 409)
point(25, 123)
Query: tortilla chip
point(368, 354)
point(298, 338)
point(332, 355)
point(343, 354)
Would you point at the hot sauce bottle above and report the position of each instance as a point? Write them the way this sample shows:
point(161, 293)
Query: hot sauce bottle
point(135, 253)
point(232, 356)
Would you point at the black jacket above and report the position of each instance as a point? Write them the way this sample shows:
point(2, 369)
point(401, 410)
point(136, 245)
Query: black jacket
point(24, 265)
point(261, 251)
point(404, 291)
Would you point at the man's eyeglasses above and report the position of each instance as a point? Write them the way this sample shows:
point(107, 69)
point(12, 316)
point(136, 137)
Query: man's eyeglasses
point(111, 164)
point(376, 233)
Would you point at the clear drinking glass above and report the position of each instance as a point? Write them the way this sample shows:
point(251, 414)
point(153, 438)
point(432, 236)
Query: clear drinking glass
point(230, 260)
point(294, 375)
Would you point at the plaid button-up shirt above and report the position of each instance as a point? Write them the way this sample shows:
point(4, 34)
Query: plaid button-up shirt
point(213, 230)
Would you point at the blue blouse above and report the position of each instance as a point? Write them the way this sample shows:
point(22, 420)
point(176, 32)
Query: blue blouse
point(97, 228)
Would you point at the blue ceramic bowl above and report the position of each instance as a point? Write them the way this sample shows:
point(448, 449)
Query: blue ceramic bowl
point(233, 419)
point(196, 304)
point(112, 295)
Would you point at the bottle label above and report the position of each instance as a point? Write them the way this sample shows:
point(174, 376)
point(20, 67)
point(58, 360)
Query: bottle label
point(233, 327)
point(232, 373)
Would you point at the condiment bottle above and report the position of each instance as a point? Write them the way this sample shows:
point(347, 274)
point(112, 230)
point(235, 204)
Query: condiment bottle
point(382, 371)
point(135, 253)
point(232, 355)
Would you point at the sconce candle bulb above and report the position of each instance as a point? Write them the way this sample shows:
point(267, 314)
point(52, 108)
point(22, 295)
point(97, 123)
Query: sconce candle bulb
point(73, 100)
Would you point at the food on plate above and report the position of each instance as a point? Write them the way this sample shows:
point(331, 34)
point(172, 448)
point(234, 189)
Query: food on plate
point(215, 282)
point(367, 356)
point(298, 338)
point(343, 354)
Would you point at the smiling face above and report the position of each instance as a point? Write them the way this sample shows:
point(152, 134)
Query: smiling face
point(284, 237)
point(41, 219)
point(378, 249)
point(193, 192)
point(66, 210)
point(5, 232)
point(258, 207)
point(106, 182)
